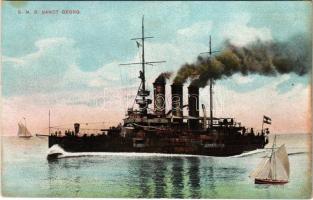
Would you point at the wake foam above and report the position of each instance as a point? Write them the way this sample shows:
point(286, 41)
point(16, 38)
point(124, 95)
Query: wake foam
point(130, 154)
point(250, 153)
point(56, 149)
point(61, 153)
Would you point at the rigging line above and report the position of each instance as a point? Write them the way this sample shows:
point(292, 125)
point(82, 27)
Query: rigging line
point(82, 123)
point(73, 128)
point(60, 126)
point(94, 122)
point(136, 95)
point(220, 98)
point(216, 104)
point(123, 91)
point(138, 57)
point(225, 94)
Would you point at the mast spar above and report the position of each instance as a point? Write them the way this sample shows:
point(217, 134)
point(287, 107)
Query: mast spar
point(142, 92)
point(273, 158)
point(210, 52)
point(143, 54)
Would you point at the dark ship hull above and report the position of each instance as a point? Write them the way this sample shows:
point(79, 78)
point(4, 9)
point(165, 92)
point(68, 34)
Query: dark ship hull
point(79, 145)
point(199, 143)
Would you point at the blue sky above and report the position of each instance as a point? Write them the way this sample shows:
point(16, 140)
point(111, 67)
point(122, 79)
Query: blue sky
point(100, 33)
point(65, 55)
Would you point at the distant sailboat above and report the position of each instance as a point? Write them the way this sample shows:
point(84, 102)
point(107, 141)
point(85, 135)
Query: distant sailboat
point(273, 169)
point(23, 131)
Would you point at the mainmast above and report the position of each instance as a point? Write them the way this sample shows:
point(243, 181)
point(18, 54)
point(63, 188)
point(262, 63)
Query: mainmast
point(210, 52)
point(143, 102)
point(211, 102)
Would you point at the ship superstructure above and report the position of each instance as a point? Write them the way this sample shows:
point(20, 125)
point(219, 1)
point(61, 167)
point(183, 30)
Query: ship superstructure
point(167, 132)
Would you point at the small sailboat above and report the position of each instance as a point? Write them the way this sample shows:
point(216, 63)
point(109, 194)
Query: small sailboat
point(273, 169)
point(23, 132)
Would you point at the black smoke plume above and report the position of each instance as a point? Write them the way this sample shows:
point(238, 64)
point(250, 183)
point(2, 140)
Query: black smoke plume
point(263, 58)
point(163, 76)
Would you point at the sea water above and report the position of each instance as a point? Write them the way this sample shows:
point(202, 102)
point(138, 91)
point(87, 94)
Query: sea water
point(27, 173)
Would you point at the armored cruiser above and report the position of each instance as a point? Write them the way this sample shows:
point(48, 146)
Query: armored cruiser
point(166, 132)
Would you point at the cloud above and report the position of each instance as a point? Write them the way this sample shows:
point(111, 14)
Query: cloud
point(41, 71)
point(289, 111)
point(183, 47)
point(240, 33)
point(53, 67)
point(239, 79)
point(196, 30)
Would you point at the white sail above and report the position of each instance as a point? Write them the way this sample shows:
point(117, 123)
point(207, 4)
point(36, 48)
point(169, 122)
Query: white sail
point(263, 170)
point(278, 171)
point(282, 156)
point(20, 129)
point(281, 164)
point(23, 131)
point(275, 168)
point(27, 132)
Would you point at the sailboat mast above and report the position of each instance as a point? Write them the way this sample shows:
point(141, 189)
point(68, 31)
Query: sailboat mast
point(272, 159)
point(49, 123)
point(25, 126)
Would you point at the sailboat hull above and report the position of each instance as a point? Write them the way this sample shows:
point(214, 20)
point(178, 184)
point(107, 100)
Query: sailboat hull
point(269, 181)
point(24, 136)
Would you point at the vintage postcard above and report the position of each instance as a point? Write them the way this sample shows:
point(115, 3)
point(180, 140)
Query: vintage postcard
point(184, 99)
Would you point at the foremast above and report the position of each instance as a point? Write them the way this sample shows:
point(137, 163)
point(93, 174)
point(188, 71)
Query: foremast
point(143, 101)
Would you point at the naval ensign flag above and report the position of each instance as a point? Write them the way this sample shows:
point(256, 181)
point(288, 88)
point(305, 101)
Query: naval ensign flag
point(267, 120)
